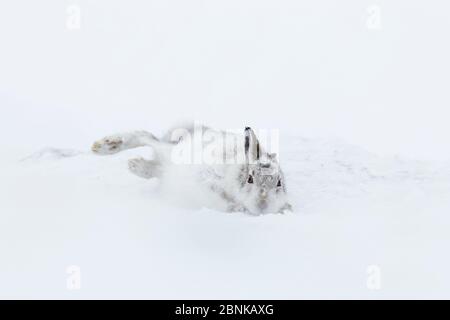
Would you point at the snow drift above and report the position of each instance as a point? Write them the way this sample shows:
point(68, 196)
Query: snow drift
point(352, 210)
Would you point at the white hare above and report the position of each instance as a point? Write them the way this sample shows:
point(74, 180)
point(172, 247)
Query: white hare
point(240, 174)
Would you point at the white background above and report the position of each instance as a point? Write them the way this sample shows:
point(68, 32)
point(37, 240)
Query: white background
point(309, 65)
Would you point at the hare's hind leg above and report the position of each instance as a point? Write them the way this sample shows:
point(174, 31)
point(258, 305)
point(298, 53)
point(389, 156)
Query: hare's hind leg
point(108, 145)
point(119, 142)
point(144, 168)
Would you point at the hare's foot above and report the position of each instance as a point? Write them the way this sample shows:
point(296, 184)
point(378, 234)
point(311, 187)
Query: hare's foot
point(143, 168)
point(285, 209)
point(119, 142)
point(235, 207)
point(108, 145)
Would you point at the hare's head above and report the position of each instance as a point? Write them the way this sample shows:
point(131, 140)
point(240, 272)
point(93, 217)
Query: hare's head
point(262, 179)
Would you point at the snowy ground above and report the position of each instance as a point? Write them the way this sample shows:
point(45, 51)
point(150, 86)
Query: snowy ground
point(353, 210)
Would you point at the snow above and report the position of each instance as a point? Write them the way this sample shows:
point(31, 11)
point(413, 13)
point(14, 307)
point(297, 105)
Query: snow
point(352, 210)
point(363, 121)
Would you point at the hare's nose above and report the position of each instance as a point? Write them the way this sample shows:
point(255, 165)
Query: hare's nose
point(263, 193)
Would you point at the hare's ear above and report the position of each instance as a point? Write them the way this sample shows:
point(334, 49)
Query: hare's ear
point(252, 148)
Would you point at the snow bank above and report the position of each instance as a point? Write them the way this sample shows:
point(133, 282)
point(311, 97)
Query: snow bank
point(352, 210)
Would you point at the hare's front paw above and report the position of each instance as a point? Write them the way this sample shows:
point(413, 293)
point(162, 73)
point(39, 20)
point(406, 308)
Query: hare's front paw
point(108, 145)
point(287, 208)
point(234, 207)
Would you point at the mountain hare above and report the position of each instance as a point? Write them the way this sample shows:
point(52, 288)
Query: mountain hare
point(230, 167)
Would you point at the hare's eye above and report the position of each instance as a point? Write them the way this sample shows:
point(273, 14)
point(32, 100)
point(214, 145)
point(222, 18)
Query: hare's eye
point(279, 183)
point(250, 179)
